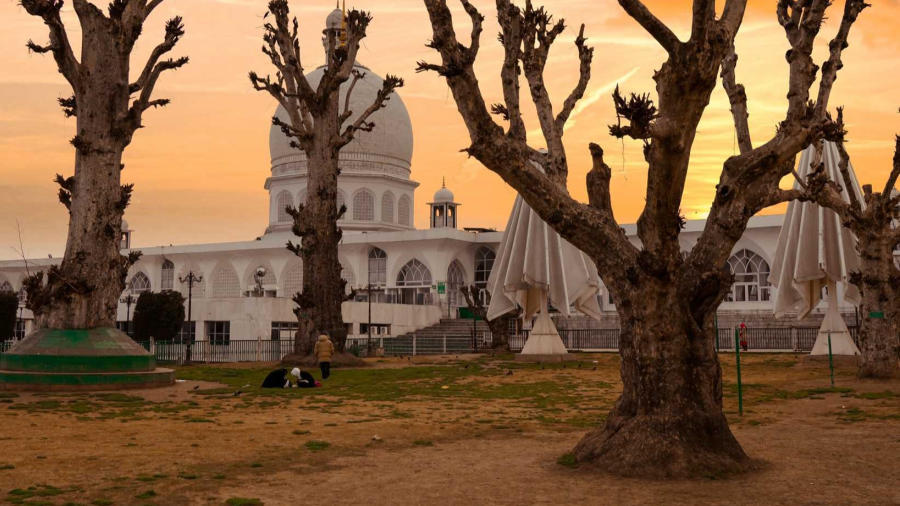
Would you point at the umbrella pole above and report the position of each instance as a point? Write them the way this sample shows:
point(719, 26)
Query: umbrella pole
point(830, 360)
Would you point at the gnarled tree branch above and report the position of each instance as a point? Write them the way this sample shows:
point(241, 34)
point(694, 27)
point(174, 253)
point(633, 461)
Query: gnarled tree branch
point(48, 10)
point(511, 38)
point(656, 28)
point(732, 16)
point(585, 56)
point(737, 96)
point(362, 122)
point(852, 9)
point(153, 69)
point(895, 171)
point(509, 155)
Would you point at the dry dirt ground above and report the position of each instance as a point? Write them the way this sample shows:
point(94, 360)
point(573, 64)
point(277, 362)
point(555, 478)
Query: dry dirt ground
point(452, 430)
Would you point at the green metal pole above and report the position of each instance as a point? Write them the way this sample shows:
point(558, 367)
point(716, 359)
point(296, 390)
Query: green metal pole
point(737, 356)
point(830, 360)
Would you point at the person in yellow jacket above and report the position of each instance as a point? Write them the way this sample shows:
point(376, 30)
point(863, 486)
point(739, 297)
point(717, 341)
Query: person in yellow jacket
point(324, 350)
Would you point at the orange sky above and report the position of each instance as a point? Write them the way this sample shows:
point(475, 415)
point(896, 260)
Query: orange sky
point(200, 164)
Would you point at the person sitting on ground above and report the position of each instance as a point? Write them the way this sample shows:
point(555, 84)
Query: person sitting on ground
point(304, 379)
point(277, 379)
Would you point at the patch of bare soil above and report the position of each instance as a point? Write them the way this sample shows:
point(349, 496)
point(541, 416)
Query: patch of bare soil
point(180, 446)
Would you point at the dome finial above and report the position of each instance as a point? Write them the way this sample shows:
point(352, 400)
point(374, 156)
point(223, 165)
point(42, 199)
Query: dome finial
point(443, 195)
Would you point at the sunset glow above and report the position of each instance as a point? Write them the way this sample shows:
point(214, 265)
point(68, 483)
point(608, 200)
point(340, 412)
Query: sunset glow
point(200, 163)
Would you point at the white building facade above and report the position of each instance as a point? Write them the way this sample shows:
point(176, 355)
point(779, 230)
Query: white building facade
point(408, 265)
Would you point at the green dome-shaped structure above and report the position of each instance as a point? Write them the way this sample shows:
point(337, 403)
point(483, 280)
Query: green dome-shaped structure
point(84, 359)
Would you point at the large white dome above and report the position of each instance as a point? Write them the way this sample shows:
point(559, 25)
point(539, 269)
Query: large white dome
point(385, 150)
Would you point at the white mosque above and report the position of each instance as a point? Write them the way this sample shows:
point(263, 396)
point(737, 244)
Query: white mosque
point(420, 272)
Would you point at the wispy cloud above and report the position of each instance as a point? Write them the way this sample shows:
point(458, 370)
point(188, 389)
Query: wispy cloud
point(589, 100)
point(597, 95)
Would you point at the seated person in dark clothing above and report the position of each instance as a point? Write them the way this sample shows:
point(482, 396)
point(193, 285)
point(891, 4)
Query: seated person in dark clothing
point(277, 379)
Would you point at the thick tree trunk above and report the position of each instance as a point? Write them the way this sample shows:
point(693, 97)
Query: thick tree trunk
point(323, 288)
point(669, 420)
point(500, 332)
point(879, 285)
point(320, 128)
point(84, 292)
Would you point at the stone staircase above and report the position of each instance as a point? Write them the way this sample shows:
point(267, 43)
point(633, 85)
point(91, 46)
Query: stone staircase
point(452, 329)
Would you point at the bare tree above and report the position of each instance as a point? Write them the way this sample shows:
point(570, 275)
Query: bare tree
point(499, 326)
point(320, 126)
point(83, 291)
point(668, 420)
point(878, 279)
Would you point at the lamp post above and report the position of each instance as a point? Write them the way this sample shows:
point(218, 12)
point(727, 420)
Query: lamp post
point(190, 279)
point(258, 279)
point(21, 322)
point(369, 290)
point(128, 300)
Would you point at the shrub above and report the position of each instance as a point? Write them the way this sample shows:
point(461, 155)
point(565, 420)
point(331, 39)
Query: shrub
point(158, 315)
point(9, 304)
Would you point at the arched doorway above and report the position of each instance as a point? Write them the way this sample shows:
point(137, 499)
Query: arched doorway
point(456, 280)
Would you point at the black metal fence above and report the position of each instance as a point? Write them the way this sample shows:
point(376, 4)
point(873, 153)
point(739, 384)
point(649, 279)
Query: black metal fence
point(234, 350)
point(799, 339)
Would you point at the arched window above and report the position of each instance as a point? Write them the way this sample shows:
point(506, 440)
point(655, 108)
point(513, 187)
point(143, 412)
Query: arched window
point(484, 262)
point(415, 282)
point(167, 275)
point(751, 277)
point(364, 205)
point(139, 284)
point(403, 210)
point(282, 202)
point(377, 266)
point(387, 207)
point(414, 273)
point(5, 286)
point(292, 280)
point(456, 279)
point(225, 282)
point(341, 201)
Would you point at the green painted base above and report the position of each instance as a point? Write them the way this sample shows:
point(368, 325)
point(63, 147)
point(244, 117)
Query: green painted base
point(69, 382)
point(97, 350)
point(88, 359)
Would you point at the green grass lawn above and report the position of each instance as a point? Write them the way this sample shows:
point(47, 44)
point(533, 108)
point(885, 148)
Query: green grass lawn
point(457, 380)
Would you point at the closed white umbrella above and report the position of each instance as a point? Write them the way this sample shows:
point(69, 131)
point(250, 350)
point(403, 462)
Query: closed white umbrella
point(815, 251)
point(534, 263)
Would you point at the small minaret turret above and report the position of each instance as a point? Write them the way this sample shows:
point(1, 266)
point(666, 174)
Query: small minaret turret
point(125, 236)
point(336, 22)
point(443, 209)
